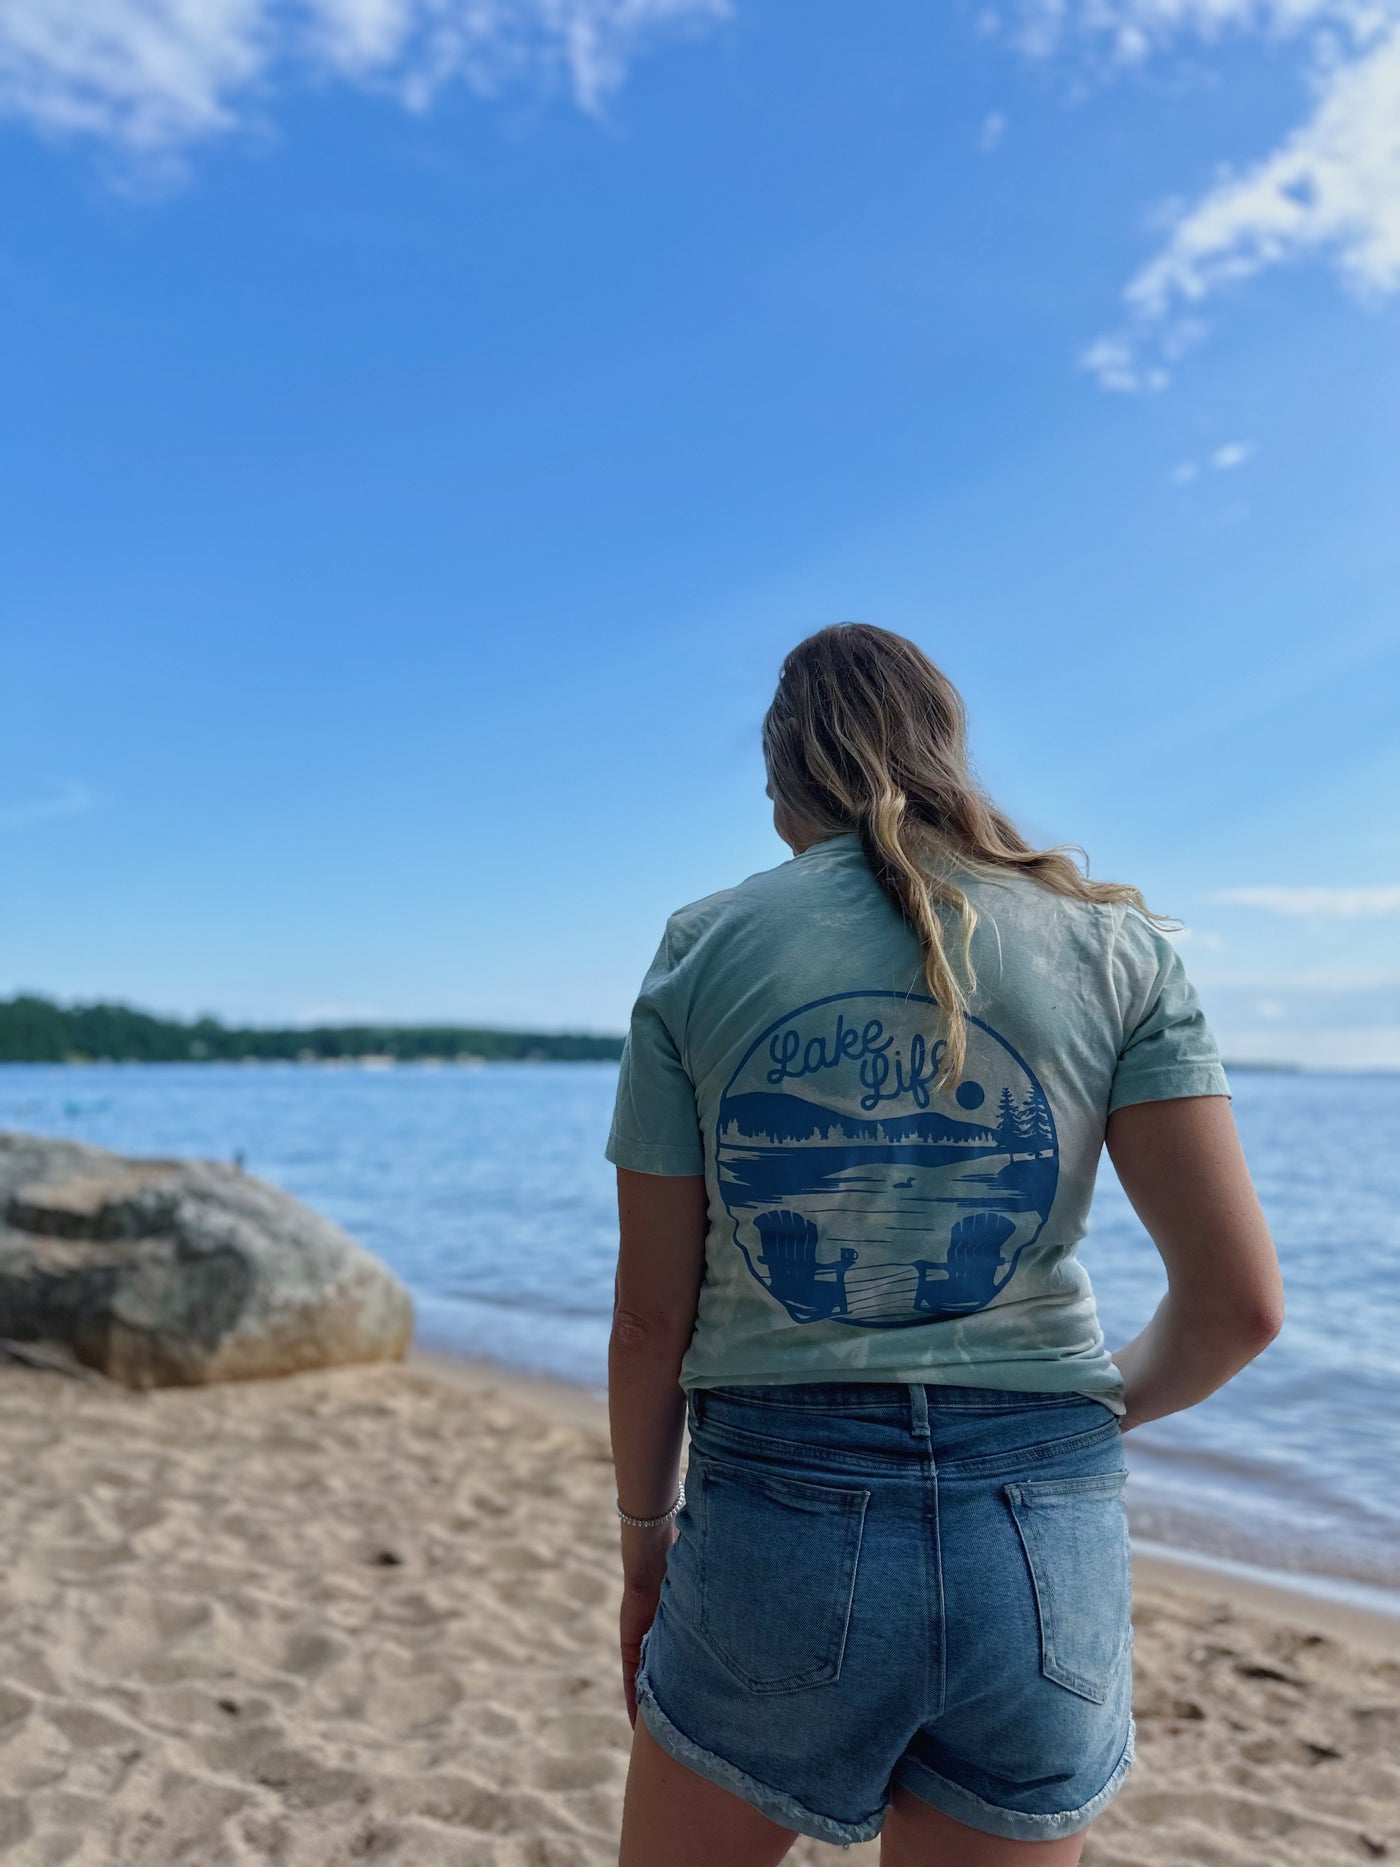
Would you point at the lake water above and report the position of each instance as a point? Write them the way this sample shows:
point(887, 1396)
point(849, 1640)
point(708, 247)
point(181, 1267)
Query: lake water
point(487, 1192)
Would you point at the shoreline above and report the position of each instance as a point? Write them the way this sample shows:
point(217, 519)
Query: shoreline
point(1323, 1603)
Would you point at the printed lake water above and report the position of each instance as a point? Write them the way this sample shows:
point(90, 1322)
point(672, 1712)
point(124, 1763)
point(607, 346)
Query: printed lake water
point(487, 1191)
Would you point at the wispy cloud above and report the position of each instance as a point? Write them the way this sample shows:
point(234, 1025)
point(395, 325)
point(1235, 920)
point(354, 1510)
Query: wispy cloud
point(1330, 189)
point(1223, 459)
point(1321, 903)
point(992, 132)
point(67, 801)
point(1309, 979)
point(151, 77)
point(1232, 454)
point(1211, 941)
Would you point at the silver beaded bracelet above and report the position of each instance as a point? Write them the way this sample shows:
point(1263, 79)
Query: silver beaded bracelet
point(654, 1523)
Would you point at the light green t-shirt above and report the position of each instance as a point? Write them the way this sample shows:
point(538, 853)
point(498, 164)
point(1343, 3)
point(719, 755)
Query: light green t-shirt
point(863, 1226)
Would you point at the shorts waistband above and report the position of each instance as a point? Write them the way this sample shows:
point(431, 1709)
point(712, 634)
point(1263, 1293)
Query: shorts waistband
point(904, 1400)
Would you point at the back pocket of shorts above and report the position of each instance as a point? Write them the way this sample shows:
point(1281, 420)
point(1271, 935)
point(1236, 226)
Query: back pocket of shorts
point(777, 1574)
point(1075, 1535)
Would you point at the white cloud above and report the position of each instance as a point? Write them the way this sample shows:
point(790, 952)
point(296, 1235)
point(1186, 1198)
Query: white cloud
point(153, 76)
point(1311, 980)
point(1115, 361)
point(1330, 189)
point(1128, 31)
point(1223, 459)
point(1322, 903)
point(146, 75)
point(67, 801)
point(993, 130)
point(1232, 454)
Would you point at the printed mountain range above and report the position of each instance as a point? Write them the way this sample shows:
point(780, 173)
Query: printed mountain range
point(786, 1118)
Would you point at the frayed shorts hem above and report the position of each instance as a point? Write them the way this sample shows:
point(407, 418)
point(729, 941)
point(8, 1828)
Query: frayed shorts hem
point(779, 1807)
point(951, 1798)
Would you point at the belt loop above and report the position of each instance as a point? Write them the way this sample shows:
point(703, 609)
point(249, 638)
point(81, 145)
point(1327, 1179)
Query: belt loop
point(918, 1411)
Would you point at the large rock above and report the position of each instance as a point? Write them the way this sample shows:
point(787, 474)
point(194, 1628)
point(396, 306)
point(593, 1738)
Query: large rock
point(171, 1273)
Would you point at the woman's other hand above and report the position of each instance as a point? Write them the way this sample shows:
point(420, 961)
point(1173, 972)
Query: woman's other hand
point(644, 1555)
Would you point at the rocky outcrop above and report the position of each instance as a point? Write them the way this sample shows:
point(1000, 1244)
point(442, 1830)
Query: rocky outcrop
point(168, 1273)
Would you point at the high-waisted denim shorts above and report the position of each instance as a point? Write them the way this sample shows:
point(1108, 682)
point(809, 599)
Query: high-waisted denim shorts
point(882, 1584)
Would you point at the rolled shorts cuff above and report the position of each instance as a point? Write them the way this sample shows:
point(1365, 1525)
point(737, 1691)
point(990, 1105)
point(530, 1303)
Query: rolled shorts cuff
point(1012, 1824)
point(774, 1803)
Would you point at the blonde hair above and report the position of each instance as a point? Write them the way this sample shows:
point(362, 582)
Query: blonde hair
point(866, 734)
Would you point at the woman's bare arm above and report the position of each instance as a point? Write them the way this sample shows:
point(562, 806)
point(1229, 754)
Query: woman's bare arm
point(663, 1221)
point(1182, 1166)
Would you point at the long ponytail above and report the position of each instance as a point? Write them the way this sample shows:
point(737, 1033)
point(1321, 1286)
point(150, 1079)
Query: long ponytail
point(866, 734)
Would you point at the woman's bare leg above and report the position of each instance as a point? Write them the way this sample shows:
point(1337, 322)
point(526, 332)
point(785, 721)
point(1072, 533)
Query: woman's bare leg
point(674, 1818)
point(916, 1835)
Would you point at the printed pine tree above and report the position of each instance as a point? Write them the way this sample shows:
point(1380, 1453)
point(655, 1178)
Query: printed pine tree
point(1040, 1127)
point(1008, 1128)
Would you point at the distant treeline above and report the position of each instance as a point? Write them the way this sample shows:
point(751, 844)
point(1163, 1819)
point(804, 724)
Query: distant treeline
point(35, 1030)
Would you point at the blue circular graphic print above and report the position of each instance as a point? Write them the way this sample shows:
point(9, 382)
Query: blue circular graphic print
point(861, 1195)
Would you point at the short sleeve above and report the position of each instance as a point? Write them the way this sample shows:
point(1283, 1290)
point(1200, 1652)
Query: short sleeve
point(655, 1125)
point(1167, 1047)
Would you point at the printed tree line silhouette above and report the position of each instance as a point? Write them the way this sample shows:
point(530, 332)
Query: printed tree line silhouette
point(1025, 1127)
point(734, 1136)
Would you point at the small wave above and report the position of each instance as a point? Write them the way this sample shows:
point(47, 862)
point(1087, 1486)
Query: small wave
point(524, 1302)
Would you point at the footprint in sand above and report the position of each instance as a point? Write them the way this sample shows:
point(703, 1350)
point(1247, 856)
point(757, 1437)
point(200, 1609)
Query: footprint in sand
point(86, 1729)
point(309, 1652)
point(401, 1707)
point(304, 1782)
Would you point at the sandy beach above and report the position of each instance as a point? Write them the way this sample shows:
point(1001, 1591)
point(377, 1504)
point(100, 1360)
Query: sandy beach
point(367, 1616)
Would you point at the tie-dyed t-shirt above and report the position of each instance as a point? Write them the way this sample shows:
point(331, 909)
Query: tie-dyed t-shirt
point(864, 1226)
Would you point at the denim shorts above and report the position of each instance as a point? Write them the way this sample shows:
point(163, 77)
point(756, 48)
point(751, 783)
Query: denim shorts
point(883, 1584)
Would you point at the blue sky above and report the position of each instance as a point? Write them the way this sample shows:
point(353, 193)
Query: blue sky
point(426, 428)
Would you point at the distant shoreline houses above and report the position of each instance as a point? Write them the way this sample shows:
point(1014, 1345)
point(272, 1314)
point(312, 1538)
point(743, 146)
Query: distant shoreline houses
point(36, 1030)
point(1245, 1064)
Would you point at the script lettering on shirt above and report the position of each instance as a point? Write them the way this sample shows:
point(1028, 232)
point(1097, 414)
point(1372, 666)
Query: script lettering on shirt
point(885, 1074)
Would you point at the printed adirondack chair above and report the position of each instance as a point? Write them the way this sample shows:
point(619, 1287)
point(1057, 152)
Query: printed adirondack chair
point(971, 1266)
point(807, 1290)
